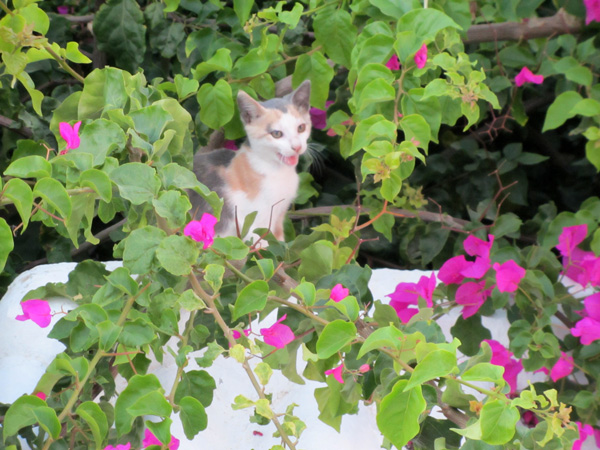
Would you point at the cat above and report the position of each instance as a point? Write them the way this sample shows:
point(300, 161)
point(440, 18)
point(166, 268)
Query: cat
point(260, 176)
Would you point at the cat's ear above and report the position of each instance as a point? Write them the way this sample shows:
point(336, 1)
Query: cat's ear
point(250, 109)
point(301, 96)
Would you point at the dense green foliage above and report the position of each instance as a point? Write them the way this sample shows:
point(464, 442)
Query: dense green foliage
point(456, 144)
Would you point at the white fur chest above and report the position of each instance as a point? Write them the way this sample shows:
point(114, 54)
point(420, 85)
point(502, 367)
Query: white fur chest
point(276, 192)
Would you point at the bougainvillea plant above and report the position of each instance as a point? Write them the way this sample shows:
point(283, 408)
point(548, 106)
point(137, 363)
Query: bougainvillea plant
point(100, 118)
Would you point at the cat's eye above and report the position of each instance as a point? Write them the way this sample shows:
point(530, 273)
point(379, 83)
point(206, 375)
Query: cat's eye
point(301, 128)
point(276, 134)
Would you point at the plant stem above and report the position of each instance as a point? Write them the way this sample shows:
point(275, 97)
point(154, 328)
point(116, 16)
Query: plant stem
point(184, 340)
point(64, 64)
point(209, 300)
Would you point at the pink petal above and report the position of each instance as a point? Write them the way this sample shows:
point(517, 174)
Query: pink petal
point(570, 238)
point(405, 293)
point(450, 272)
point(592, 11)
point(592, 306)
point(502, 357)
point(364, 368)
point(119, 447)
point(38, 311)
point(393, 63)
point(476, 269)
point(229, 144)
point(278, 335)
point(337, 373)
point(562, 368)
point(587, 330)
point(150, 439)
point(421, 57)
point(318, 117)
point(478, 247)
point(471, 295)
point(584, 431)
point(508, 276)
point(425, 287)
point(63, 10)
point(406, 314)
point(202, 230)
point(339, 293)
point(40, 395)
point(526, 76)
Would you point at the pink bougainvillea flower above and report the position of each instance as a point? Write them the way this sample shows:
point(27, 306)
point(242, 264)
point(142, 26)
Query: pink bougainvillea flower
point(393, 63)
point(502, 357)
point(229, 144)
point(337, 373)
point(122, 446)
point(237, 334)
point(592, 306)
point(583, 267)
point(70, 134)
point(37, 311)
point(562, 368)
point(471, 296)
point(592, 11)
point(421, 56)
point(339, 293)
point(278, 335)
point(425, 288)
point(318, 116)
point(587, 330)
point(584, 431)
point(451, 270)
point(40, 395)
point(529, 419)
point(150, 439)
point(527, 76)
point(508, 275)
point(62, 9)
point(364, 368)
point(202, 230)
point(478, 247)
point(570, 238)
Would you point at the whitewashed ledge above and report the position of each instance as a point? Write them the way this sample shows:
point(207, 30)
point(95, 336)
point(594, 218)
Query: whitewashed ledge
point(25, 352)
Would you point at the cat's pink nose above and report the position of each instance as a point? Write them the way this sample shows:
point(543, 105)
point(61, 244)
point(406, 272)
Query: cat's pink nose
point(297, 148)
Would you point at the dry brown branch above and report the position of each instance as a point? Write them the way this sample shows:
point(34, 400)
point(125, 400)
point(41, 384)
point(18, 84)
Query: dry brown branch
point(559, 23)
point(13, 126)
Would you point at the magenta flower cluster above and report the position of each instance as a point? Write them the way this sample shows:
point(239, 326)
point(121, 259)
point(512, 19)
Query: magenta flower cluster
point(472, 294)
point(405, 298)
point(202, 230)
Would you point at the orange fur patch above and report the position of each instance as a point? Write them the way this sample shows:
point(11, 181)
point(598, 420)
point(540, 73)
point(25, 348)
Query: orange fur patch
point(240, 176)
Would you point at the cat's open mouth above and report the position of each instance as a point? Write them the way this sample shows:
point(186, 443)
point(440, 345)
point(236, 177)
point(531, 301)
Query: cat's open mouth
point(289, 160)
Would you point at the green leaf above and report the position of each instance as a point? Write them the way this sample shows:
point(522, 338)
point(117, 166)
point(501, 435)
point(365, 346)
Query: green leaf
point(48, 420)
point(560, 110)
point(119, 31)
point(32, 166)
point(393, 8)
point(437, 363)
point(137, 182)
point(335, 31)
point(55, 194)
point(389, 337)
point(138, 387)
point(216, 104)
point(334, 337)
point(506, 224)
point(73, 54)
point(377, 91)
point(185, 86)
point(21, 195)
point(152, 403)
point(108, 333)
point(307, 292)
point(220, 61)
point(426, 23)
point(398, 414)
point(213, 274)
point(136, 333)
point(251, 64)
point(177, 254)
point(173, 206)
point(140, 248)
point(587, 107)
point(151, 121)
point(242, 9)
point(190, 301)
point(96, 419)
point(193, 417)
point(103, 90)
point(484, 372)
point(197, 384)
point(21, 414)
point(263, 372)
point(98, 181)
point(314, 67)
point(291, 18)
point(416, 129)
point(231, 247)
point(252, 298)
point(498, 422)
point(592, 153)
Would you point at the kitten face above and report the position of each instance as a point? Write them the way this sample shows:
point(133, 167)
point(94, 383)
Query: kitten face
point(278, 129)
